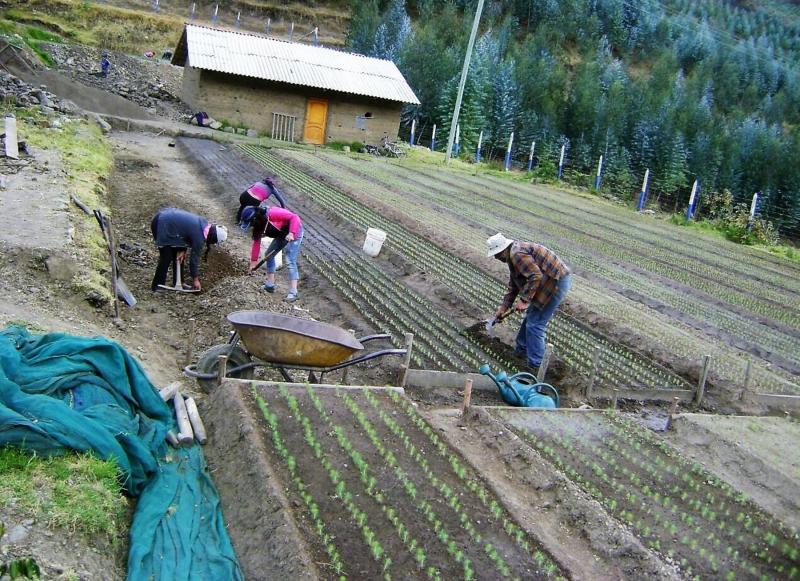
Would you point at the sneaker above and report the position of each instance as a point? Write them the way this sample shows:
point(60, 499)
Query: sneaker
point(291, 297)
point(270, 288)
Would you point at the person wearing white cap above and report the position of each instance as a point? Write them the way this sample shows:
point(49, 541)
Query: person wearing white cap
point(539, 280)
point(175, 231)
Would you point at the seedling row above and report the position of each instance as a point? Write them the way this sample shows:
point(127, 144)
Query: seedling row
point(381, 496)
point(726, 362)
point(573, 342)
point(619, 260)
point(671, 503)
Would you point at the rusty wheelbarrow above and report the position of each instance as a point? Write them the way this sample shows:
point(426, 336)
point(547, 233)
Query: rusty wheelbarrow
point(265, 339)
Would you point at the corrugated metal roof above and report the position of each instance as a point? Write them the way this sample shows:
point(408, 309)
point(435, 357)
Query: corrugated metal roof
point(252, 55)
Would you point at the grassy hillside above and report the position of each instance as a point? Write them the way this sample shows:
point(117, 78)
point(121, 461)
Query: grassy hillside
point(134, 27)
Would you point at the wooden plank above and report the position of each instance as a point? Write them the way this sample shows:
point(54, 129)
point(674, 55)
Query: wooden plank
point(316, 386)
point(543, 410)
point(648, 394)
point(777, 401)
point(423, 378)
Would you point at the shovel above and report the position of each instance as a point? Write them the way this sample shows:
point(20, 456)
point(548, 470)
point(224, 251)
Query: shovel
point(178, 288)
point(490, 323)
point(486, 326)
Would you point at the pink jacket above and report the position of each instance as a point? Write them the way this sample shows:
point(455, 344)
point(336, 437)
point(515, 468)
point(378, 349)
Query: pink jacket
point(279, 218)
point(259, 191)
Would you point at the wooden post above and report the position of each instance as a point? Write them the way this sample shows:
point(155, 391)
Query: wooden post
point(197, 423)
point(614, 399)
point(190, 343)
point(346, 370)
point(748, 370)
point(185, 436)
point(701, 385)
point(673, 408)
point(222, 368)
point(467, 398)
point(595, 372)
point(548, 353)
point(112, 248)
point(407, 359)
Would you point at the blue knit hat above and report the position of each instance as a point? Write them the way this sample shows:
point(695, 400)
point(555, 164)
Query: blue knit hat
point(247, 217)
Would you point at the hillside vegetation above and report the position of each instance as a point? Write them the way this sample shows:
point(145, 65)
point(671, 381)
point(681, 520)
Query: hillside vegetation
point(690, 89)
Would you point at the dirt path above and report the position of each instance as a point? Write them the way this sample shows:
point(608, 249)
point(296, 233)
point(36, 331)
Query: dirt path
point(33, 206)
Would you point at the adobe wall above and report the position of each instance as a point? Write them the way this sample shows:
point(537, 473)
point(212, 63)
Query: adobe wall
point(252, 102)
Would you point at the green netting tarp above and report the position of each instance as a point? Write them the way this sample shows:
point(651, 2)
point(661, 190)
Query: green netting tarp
point(59, 392)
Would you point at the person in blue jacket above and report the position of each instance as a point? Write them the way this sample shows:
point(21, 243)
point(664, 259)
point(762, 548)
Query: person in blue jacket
point(175, 231)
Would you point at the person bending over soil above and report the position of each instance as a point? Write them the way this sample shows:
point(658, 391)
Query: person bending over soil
point(286, 231)
point(541, 280)
point(255, 195)
point(176, 230)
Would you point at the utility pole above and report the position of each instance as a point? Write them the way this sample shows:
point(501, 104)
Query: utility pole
point(464, 72)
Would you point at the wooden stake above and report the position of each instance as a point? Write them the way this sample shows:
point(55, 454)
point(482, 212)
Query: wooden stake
point(346, 370)
point(197, 423)
point(595, 372)
point(190, 342)
point(222, 368)
point(548, 353)
point(185, 436)
point(701, 385)
point(748, 370)
point(407, 359)
point(614, 399)
point(672, 411)
point(467, 398)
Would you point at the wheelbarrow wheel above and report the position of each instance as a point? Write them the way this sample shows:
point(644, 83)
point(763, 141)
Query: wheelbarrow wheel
point(209, 363)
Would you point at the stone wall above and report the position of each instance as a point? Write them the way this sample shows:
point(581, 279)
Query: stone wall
point(252, 102)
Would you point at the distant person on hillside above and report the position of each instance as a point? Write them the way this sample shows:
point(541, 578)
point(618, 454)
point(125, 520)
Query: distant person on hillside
point(257, 193)
point(175, 231)
point(539, 280)
point(105, 65)
point(286, 231)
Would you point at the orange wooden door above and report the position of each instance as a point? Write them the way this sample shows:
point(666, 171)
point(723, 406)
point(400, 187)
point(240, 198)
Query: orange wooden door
point(316, 116)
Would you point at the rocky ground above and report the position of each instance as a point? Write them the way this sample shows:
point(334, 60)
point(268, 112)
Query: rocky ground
point(152, 83)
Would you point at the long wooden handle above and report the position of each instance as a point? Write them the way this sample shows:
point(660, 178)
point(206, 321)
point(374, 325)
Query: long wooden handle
point(267, 257)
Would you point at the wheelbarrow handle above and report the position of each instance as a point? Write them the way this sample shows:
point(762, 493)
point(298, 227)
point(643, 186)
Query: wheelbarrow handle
point(373, 337)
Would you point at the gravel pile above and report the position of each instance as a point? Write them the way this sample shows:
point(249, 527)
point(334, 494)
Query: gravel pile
point(149, 82)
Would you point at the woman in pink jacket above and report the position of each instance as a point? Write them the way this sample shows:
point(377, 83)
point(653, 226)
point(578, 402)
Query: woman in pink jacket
point(257, 193)
point(286, 231)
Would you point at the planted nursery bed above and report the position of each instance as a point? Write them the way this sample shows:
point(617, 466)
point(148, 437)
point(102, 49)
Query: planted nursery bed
point(676, 507)
point(373, 491)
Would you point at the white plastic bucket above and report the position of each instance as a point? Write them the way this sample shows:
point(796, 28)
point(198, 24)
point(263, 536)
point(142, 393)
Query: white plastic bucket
point(374, 241)
point(265, 242)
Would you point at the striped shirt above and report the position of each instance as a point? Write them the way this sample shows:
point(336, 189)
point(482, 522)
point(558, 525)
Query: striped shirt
point(534, 271)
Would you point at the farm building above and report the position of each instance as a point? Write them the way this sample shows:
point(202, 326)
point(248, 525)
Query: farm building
point(291, 91)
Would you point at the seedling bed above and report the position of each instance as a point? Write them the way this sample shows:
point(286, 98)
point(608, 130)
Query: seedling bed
point(377, 493)
point(672, 504)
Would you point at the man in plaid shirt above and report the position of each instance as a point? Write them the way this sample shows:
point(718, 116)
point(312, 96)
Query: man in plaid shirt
point(539, 280)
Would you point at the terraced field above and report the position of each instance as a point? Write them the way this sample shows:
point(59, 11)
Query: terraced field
point(681, 299)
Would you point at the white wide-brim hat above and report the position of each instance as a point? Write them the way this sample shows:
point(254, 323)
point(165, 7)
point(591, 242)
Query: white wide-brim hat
point(497, 243)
